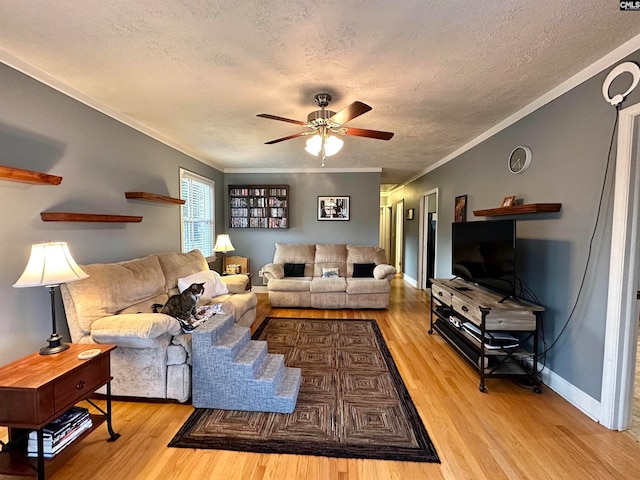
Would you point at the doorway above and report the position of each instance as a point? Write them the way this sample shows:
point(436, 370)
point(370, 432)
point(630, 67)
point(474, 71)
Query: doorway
point(621, 335)
point(427, 238)
point(386, 215)
point(399, 240)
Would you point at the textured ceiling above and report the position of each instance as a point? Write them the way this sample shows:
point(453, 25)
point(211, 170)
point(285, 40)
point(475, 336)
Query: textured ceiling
point(195, 73)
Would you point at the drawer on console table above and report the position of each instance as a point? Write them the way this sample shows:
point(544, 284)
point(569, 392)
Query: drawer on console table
point(441, 293)
point(512, 318)
point(470, 310)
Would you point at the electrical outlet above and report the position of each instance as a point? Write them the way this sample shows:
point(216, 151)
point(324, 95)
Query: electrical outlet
point(260, 273)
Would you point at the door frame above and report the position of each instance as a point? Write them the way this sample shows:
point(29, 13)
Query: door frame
point(621, 333)
point(386, 215)
point(399, 237)
point(422, 250)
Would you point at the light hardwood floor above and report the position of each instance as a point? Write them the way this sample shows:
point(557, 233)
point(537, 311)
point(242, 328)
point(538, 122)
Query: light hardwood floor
point(506, 433)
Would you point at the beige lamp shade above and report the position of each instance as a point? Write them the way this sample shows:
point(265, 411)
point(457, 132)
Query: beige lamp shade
point(223, 244)
point(50, 264)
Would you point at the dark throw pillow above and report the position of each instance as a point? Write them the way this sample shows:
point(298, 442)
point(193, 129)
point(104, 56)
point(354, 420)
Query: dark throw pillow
point(362, 270)
point(294, 269)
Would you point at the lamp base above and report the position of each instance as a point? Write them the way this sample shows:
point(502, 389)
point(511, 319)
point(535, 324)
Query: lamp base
point(55, 345)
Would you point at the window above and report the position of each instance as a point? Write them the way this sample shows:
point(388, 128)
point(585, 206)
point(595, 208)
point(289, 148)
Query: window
point(198, 214)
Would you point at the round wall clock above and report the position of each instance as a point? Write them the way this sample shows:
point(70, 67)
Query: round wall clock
point(519, 159)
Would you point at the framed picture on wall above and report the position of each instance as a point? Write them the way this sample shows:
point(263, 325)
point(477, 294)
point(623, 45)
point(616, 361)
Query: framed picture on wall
point(460, 210)
point(508, 201)
point(334, 208)
point(410, 213)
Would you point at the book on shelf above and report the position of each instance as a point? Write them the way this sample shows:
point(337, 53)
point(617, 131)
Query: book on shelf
point(59, 426)
point(52, 448)
point(60, 432)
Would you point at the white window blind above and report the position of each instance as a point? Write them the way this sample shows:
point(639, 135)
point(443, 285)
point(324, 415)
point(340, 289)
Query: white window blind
point(198, 213)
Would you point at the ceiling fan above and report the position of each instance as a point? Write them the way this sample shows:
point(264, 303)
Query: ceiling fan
point(323, 123)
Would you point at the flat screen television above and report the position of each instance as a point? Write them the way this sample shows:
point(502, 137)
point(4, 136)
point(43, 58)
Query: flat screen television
point(485, 253)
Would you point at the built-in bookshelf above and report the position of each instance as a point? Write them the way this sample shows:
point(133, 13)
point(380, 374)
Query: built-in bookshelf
point(259, 206)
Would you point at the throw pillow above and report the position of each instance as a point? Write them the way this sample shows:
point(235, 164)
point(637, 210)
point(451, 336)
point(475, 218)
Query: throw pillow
point(294, 269)
point(330, 272)
point(213, 285)
point(362, 270)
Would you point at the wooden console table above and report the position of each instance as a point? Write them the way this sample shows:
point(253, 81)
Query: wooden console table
point(36, 389)
point(456, 302)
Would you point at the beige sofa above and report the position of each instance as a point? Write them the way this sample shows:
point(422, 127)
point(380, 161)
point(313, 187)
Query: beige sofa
point(114, 304)
point(329, 276)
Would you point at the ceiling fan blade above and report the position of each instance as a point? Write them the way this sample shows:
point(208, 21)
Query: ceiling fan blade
point(362, 132)
point(295, 135)
point(282, 119)
point(350, 112)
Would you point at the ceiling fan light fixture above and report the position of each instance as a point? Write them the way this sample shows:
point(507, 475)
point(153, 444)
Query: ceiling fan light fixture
point(313, 145)
point(323, 121)
point(332, 145)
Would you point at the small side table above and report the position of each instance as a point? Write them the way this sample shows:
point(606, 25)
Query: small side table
point(36, 389)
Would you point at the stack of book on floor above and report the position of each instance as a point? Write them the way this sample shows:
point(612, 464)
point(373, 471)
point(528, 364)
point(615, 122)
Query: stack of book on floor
point(60, 432)
point(492, 340)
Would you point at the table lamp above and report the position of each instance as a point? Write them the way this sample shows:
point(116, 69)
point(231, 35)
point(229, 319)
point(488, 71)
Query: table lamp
point(224, 245)
point(49, 265)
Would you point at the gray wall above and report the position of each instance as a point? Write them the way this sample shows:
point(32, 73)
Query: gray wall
point(99, 159)
point(569, 139)
point(304, 227)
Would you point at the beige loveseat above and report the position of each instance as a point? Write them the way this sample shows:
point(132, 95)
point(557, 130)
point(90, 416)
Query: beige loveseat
point(329, 276)
point(114, 304)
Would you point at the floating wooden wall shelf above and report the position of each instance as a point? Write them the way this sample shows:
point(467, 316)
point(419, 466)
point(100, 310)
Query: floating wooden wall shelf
point(153, 197)
point(87, 217)
point(27, 176)
point(519, 209)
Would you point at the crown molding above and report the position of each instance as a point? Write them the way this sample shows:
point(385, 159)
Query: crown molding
point(48, 80)
point(42, 77)
point(304, 170)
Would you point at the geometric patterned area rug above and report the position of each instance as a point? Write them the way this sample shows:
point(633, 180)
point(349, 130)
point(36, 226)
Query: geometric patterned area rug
point(352, 401)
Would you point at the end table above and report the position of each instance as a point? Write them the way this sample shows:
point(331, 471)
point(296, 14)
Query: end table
point(36, 389)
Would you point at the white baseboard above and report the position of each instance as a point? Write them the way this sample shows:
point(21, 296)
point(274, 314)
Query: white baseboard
point(411, 281)
point(259, 289)
point(572, 394)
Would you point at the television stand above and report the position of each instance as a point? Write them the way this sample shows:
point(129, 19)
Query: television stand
point(488, 331)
